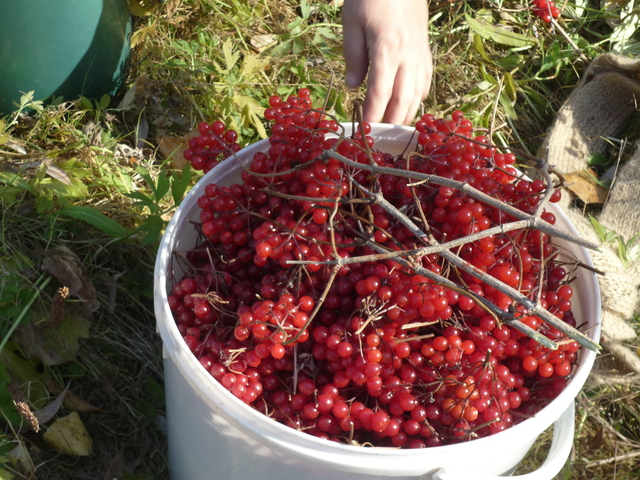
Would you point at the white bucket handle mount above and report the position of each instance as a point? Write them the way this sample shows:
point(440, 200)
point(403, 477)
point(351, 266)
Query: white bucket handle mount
point(563, 430)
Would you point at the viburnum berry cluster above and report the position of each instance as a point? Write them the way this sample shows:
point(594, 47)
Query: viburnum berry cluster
point(545, 9)
point(213, 144)
point(337, 294)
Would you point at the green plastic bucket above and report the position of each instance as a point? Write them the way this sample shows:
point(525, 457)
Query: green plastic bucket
point(62, 48)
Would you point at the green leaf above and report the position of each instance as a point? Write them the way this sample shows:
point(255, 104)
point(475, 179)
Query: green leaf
point(624, 31)
point(152, 227)
point(294, 27)
point(282, 48)
point(478, 44)
point(6, 399)
point(298, 45)
point(104, 102)
point(510, 62)
point(324, 32)
point(499, 34)
point(85, 104)
point(4, 137)
point(4, 475)
point(163, 186)
point(75, 167)
point(258, 124)
point(507, 104)
point(27, 101)
point(143, 201)
point(16, 181)
point(305, 8)
point(597, 159)
point(9, 195)
point(180, 184)
point(510, 88)
point(603, 232)
point(576, 9)
point(144, 173)
point(76, 189)
point(96, 218)
point(633, 253)
point(24, 372)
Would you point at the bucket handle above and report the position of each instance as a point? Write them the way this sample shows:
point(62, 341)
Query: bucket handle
point(563, 430)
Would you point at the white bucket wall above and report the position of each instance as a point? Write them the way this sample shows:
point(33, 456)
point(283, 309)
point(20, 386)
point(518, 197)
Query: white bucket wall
point(213, 435)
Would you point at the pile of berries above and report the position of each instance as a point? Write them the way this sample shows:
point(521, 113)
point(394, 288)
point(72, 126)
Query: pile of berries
point(370, 352)
point(545, 9)
point(213, 144)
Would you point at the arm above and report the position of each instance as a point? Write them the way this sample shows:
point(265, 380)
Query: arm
point(389, 38)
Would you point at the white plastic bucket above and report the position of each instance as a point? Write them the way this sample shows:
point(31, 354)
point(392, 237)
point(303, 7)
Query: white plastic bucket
point(213, 435)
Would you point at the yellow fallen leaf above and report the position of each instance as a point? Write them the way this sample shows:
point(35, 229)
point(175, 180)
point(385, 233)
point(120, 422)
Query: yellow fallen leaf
point(581, 184)
point(69, 436)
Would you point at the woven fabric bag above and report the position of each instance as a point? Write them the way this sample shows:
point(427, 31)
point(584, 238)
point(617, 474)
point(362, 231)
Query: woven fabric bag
point(606, 100)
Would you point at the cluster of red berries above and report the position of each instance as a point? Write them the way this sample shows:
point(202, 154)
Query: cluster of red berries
point(545, 9)
point(214, 143)
point(371, 352)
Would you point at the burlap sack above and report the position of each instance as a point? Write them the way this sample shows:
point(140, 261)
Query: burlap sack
point(606, 98)
point(604, 102)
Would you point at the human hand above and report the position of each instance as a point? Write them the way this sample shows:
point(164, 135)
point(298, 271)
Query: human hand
point(391, 40)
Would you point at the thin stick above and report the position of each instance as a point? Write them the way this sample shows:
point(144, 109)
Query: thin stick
point(505, 317)
point(534, 307)
point(534, 222)
point(618, 458)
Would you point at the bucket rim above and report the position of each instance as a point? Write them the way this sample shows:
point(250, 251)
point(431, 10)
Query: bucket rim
point(308, 447)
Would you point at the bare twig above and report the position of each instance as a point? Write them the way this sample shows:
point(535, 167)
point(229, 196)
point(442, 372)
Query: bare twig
point(535, 222)
point(534, 307)
point(617, 458)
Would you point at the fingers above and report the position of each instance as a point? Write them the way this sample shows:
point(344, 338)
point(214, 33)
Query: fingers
point(354, 50)
point(380, 90)
point(393, 38)
point(394, 93)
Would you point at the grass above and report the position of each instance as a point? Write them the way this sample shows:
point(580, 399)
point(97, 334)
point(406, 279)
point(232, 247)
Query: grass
point(194, 60)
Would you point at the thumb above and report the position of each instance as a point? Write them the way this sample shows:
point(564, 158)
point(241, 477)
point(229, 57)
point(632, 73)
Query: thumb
point(355, 56)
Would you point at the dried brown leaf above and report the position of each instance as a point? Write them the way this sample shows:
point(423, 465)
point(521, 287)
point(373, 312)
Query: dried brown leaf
point(172, 8)
point(598, 440)
point(263, 41)
point(71, 400)
point(57, 173)
point(584, 187)
point(139, 94)
point(174, 147)
point(116, 468)
point(67, 268)
point(49, 411)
